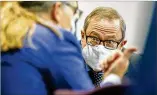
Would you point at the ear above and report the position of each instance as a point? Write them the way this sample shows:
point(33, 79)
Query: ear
point(122, 43)
point(83, 39)
point(56, 12)
point(82, 34)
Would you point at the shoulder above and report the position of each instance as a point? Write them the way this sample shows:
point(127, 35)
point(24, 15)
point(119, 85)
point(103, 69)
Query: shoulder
point(45, 34)
point(48, 35)
point(69, 37)
point(45, 37)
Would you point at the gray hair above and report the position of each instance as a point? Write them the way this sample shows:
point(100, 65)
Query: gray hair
point(37, 6)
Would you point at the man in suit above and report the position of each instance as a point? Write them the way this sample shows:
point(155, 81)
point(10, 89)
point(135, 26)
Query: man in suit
point(103, 27)
point(49, 57)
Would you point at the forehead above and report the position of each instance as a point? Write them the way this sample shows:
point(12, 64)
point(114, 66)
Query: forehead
point(105, 26)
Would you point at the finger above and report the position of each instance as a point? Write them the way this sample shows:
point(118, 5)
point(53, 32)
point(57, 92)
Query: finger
point(111, 60)
point(113, 57)
point(128, 52)
point(110, 69)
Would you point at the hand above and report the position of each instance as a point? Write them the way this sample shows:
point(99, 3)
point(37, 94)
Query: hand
point(117, 63)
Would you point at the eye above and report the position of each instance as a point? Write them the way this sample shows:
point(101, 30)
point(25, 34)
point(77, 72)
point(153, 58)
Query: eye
point(110, 44)
point(95, 39)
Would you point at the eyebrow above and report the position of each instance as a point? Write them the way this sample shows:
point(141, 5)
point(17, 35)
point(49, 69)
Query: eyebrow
point(113, 37)
point(94, 33)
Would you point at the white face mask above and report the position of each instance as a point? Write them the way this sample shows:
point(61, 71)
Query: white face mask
point(93, 55)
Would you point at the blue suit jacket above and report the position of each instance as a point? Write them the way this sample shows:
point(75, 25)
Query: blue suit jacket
point(51, 63)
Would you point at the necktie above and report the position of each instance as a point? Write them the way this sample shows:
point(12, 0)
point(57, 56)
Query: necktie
point(96, 77)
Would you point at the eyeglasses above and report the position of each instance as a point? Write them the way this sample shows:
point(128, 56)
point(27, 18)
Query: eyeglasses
point(109, 44)
point(74, 8)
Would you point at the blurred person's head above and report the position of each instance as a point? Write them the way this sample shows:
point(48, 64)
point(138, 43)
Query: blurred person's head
point(61, 13)
point(103, 32)
point(20, 17)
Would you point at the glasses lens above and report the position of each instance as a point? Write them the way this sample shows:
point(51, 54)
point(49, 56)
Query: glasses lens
point(110, 44)
point(93, 40)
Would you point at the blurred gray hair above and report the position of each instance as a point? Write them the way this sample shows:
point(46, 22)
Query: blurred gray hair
point(37, 6)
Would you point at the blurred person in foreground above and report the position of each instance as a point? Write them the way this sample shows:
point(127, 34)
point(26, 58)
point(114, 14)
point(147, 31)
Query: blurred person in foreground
point(39, 57)
point(103, 33)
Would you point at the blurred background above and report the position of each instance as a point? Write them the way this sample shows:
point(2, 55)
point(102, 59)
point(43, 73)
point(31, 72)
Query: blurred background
point(137, 16)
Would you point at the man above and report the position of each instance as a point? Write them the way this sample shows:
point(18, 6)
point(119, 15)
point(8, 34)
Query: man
point(102, 27)
point(50, 58)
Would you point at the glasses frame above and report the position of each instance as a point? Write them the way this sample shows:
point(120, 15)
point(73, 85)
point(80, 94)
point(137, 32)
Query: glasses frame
point(104, 41)
point(76, 9)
